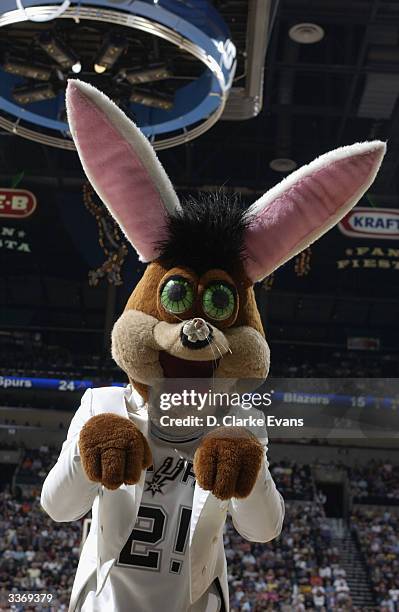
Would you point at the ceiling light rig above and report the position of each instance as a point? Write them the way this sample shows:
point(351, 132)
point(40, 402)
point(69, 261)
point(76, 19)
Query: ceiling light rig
point(109, 54)
point(17, 66)
point(57, 50)
point(136, 53)
point(136, 76)
point(33, 93)
point(149, 99)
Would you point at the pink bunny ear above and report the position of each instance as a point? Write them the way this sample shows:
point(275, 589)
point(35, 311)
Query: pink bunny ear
point(122, 167)
point(306, 204)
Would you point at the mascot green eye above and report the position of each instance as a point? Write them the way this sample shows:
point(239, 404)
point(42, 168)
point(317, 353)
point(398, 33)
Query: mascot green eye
point(218, 301)
point(177, 295)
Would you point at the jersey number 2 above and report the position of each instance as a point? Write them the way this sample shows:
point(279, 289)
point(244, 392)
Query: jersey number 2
point(142, 550)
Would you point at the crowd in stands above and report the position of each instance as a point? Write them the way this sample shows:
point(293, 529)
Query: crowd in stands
point(41, 360)
point(377, 531)
point(293, 480)
point(27, 355)
point(30, 355)
point(12, 423)
point(298, 571)
point(375, 482)
point(36, 464)
point(36, 554)
point(333, 364)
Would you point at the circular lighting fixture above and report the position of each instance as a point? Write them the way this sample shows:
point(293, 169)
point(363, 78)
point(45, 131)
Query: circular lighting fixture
point(306, 33)
point(283, 164)
point(76, 68)
point(170, 110)
point(99, 69)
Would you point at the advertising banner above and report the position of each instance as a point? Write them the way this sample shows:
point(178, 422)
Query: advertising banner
point(360, 256)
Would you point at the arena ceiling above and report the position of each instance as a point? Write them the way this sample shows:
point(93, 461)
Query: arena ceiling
point(316, 97)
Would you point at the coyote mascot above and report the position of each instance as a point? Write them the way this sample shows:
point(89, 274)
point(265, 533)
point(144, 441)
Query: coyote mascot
point(159, 496)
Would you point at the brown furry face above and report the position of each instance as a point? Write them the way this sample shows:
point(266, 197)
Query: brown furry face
point(148, 341)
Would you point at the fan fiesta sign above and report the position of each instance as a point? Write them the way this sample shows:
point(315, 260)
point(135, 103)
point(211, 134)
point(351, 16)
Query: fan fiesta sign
point(16, 203)
point(377, 223)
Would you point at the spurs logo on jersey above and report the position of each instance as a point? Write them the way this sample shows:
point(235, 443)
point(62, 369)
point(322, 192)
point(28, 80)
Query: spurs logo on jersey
point(170, 469)
point(159, 538)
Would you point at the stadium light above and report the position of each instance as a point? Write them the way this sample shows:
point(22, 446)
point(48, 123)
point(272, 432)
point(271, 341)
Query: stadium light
point(109, 53)
point(33, 93)
point(76, 68)
point(59, 52)
point(14, 65)
point(149, 99)
point(136, 76)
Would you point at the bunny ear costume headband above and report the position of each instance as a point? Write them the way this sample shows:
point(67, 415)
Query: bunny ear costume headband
point(125, 172)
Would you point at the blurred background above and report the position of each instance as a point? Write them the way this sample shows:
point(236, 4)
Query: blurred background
point(234, 95)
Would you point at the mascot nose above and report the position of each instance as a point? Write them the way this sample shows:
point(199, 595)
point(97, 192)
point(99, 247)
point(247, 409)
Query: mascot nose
point(196, 333)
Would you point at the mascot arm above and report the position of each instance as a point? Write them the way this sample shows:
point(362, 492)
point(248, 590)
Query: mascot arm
point(113, 450)
point(232, 463)
point(259, 517)
point(67, 493)
point(104, 449)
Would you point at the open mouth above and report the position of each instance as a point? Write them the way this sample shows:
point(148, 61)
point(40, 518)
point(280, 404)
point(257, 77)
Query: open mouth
point(174, 367)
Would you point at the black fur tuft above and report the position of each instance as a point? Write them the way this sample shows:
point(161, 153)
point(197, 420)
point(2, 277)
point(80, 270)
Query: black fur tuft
point(208, 233)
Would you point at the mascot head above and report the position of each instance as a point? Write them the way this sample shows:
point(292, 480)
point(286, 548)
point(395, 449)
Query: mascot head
point(193, 313)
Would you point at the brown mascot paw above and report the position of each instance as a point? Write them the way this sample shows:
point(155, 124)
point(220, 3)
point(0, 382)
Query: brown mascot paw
point(228, 461)
point(113, 450)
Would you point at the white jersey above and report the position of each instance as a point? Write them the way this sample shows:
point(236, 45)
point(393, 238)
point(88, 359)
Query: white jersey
point(152, 568)
point(67, 495)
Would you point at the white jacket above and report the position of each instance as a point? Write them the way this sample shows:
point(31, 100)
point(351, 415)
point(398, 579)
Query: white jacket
point(68, 494)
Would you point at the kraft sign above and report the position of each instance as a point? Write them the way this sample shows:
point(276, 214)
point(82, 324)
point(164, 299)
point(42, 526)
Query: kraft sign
point(371, 223)
point(16, 203)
